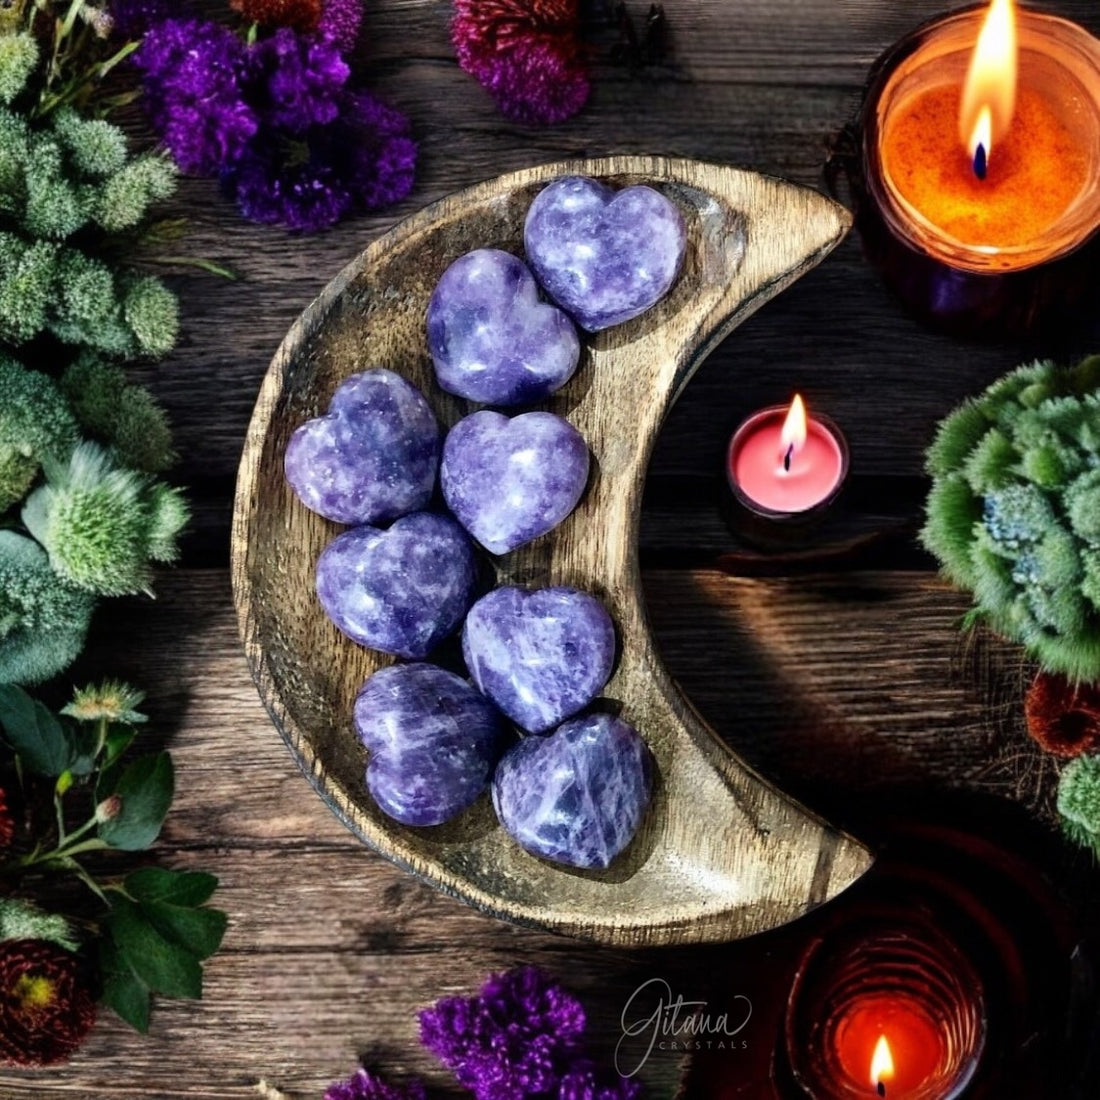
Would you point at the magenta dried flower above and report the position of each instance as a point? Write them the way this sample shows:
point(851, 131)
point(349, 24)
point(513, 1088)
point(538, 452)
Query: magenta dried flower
point(362, 1085)
point(511, 1041)
point(193, 73)
point(340, 22)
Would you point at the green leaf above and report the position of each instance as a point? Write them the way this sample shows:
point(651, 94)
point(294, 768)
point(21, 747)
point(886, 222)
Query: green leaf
point(163, 965)
point(199, 930)
point(186, 888)
point(146, 789)
point(43, 744)
point(119, 739)
point(123, 991)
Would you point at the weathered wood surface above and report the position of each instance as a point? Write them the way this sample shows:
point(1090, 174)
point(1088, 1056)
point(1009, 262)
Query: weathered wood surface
point(844, 698)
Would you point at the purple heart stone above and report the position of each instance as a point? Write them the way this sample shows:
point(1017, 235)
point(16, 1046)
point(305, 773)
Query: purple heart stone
point(490, 336)
point(372, 457)
point(541, 656)
point(403, 590)
point(579, 795)
point(510, 480)
point(604, 256)
point(433, 742)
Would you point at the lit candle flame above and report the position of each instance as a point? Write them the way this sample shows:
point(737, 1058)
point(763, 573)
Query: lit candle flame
point(882, 1065)
point(793, 436)
point(989, 96)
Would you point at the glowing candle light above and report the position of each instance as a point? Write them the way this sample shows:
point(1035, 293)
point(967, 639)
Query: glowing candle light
point(882, 1065)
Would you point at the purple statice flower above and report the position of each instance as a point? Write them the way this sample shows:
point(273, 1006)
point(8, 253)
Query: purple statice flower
point(381, 164)
point(511, 1041)
point(296, 80)
point(193, 72)
point(362, 1085)
point(583, 1081)
point(340, 22)
point(132, 18)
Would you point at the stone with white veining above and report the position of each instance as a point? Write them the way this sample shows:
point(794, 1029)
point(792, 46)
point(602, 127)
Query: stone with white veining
point(402, 590)
point(372, 457)
point(433, 742)
point(540, 655)
point(604, 256)
point(510, 480)
point(491, 338)
point(578, 795)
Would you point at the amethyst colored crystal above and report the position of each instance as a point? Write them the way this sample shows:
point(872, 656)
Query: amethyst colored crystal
point(541, 655)
point(402, 590)
point(579, 795)
point(604, 256)
point(510, 480)
point(372, 457)
point(491, 338)
point(433, 741)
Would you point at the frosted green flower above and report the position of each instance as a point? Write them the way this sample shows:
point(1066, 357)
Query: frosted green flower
point(54, 206)
point(1079, 801)
point(43, 621)
point(96, 147)
point(100, 524)
point(152, 313)
point(952, 513)
point(13, 158)
point(124, 416)
point(989, 464)
point(111, 701)
point(956, 437)
point(21, 921)
point(86, 289)
point(26, 284)
point(1083, 506)
point(18, 57)
point(35, 424)
point(124, 199)
point(169, 515)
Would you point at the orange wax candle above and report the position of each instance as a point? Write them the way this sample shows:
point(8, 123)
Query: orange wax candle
point(1035, 173)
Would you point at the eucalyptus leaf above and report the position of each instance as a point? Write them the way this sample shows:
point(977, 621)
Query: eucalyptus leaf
point(40, 740)
point(186, 888)
point(163, 965)
point(145, 788)
point(199, 930)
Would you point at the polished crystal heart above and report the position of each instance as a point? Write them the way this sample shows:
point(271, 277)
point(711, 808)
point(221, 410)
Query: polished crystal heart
point(372, 457)
point(491, 338)
point(542, 655)
point(604, 256)
point(402, 590)
point(510, 480)
point(433, 742)
point(578, 795)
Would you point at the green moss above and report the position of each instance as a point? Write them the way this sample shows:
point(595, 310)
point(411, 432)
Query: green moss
point(956, 436)
point(989, 465)
point(18, 58)
point(43, 621)
point(950, 515)
point(1090, 584)
point(125, 198)
point(96, 148)
point(1079, 801)
point(1082, 504)
point(152, 313)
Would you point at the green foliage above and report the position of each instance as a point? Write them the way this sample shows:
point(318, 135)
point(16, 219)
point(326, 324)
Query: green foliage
point(144, 792)
point(102, 525)
point(35, 425)
point(119, 414)
point(1014, 510)
point(43, 620)
point(152, 315)
point(1079, 801)
point(18, 58)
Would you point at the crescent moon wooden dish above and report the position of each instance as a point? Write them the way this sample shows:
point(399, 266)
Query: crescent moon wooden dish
point(722, 854)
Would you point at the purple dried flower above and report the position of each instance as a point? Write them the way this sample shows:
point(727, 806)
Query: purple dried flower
point(583, 1081)
point(296, 80)
point(361, 1085)
point(536, 81)
point(340, 21)
point(512, 1040)
point(382, 163)
point(132, 18)
point(193, 89)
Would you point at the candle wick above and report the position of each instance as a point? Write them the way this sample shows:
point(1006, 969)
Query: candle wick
point(981, 162)
point(881, 1090)
point(787, 458)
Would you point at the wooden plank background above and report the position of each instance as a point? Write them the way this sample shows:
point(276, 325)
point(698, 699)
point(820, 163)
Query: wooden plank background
point(848, 687)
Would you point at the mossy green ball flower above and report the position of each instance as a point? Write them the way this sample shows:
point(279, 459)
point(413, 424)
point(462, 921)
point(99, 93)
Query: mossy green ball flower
point(35, 424)
point(1079, 801)
point(18, 57)
point(43, 620)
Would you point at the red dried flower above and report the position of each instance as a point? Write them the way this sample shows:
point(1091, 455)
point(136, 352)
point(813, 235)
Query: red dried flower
point(1062, 717)
point(7, 822)
point(45, 1009)
point(299, 15)
point(525, 53)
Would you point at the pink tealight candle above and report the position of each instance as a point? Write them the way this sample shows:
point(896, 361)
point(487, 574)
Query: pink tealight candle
point(783, 463)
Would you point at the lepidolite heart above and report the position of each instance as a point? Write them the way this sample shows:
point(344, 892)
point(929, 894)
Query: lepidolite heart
point(433, 742)
point(578, 795)
point(402, 590)
point(540, 655)
point(372, 457)
point(490, 336)
point(604, 256)
point(510, 480)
